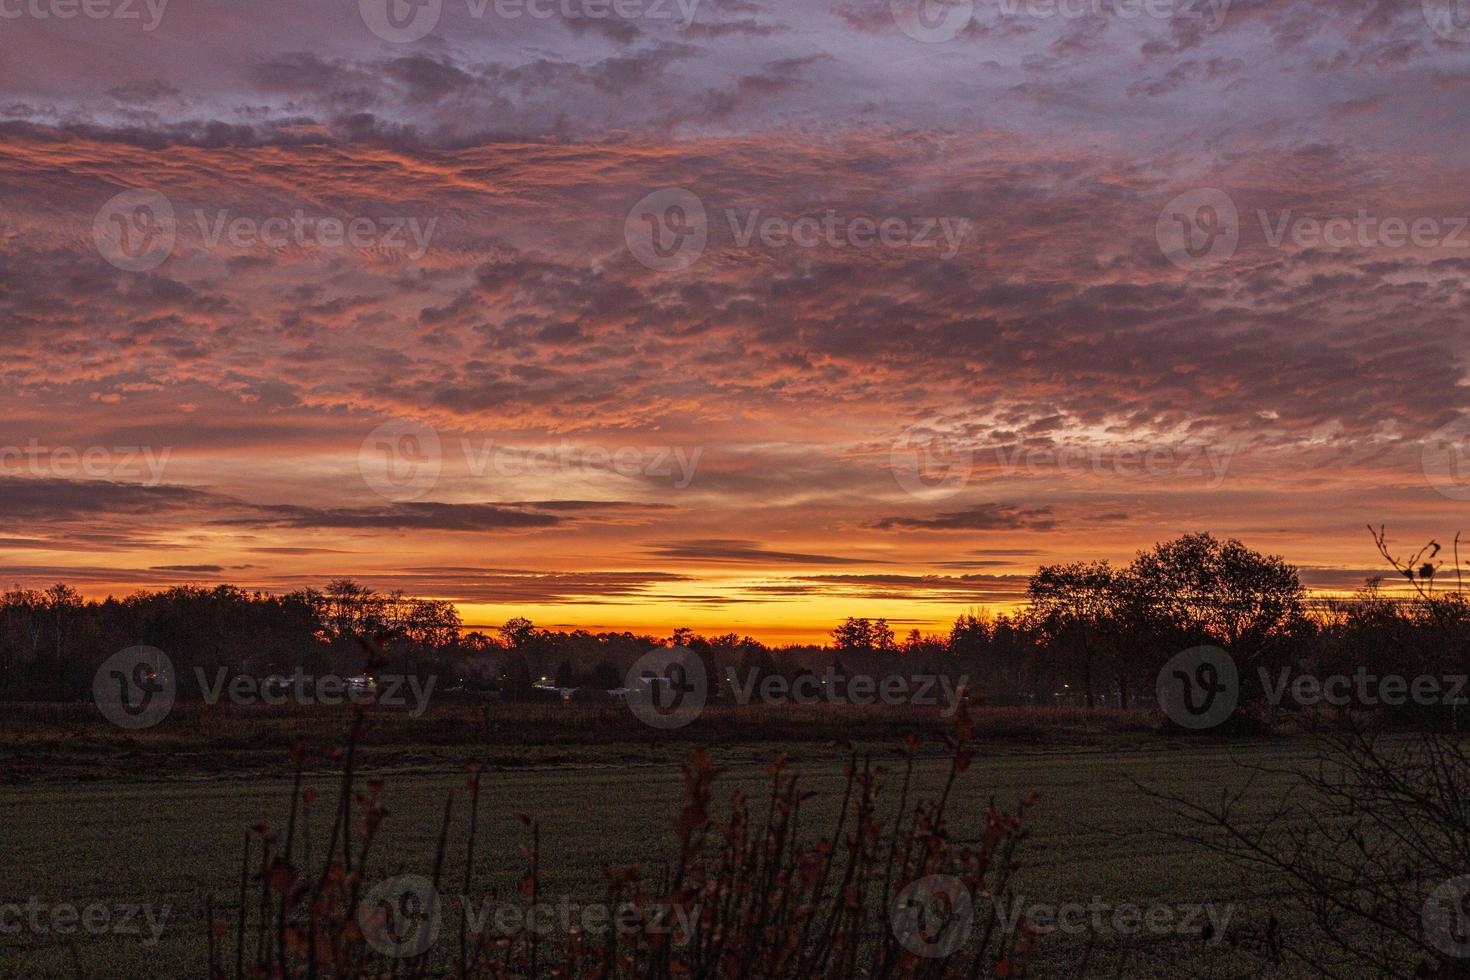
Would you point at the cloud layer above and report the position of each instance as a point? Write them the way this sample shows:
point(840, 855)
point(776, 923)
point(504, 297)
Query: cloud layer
point(745, 316)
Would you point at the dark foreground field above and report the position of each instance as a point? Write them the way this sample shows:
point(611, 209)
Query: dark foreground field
point(73, 742)
point(94, 817)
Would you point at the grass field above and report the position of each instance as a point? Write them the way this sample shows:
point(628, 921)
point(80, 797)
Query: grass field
point(129, 837)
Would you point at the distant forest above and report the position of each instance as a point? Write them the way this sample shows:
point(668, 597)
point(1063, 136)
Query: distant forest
point(1094, 634)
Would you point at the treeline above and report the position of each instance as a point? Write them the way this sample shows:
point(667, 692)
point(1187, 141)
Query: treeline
point(1090, 633)
point(1109, 631)
point(52, 641)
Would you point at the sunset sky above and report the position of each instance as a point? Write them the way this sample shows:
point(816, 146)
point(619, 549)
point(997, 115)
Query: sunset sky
point(537, 381)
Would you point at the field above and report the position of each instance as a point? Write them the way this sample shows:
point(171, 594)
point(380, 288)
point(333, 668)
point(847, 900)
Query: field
point(160, 819)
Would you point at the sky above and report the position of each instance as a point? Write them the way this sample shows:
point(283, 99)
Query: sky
point(743, 316)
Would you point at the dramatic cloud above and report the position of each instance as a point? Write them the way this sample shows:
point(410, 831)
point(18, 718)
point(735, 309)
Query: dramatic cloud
point(443, 313)
point(982, 517)
point(744, 553)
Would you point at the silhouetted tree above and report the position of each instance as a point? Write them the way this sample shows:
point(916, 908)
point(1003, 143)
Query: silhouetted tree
point(1077, 607)
point(1198, 590)
point(865, 635)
